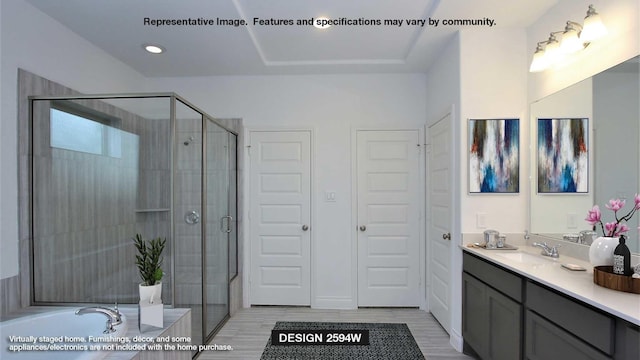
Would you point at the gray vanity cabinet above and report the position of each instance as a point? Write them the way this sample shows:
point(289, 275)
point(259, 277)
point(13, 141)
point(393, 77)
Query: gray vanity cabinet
point(508, 316)
point(627, 340)
point(557, 327)
point(547, 341)
point(491, 320)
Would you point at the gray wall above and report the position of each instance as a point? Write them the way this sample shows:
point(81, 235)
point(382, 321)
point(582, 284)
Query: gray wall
point(72, 184)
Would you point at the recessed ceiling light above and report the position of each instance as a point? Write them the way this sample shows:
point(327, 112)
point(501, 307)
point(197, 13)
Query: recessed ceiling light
point(154, 49)
point(321, 22)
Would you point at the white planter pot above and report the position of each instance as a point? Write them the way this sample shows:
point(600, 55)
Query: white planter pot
point(151, 294)
point(601, 251)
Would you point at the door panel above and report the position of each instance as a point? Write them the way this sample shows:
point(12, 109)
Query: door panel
point(218, 225)
point(280, 218)
point(439, 195)
point(388, 218)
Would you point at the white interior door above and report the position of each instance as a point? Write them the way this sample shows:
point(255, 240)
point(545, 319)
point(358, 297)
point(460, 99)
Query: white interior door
point(388, 172)
point(280, 215)
point(439, 228)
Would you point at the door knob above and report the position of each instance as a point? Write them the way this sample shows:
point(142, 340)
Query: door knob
point(305, 227)
point(446, 236)
point(363, 228)
point(192, 217)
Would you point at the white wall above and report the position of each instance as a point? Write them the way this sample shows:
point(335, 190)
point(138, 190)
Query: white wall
point(332, 107)
point(443, 82)
point(621, 17)
point(493, 75)
point(483, 74)
point(35, 42)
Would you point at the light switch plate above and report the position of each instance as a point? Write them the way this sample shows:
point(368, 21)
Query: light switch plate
point(330, 196)
point(571, 221)
point(481, 220)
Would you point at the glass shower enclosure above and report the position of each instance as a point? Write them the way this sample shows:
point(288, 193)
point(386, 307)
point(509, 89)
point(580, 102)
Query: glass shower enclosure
point(105, 168)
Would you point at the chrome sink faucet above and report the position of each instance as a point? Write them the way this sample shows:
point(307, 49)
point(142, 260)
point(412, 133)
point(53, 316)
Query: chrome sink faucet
point(551, 251)
point(113, 315)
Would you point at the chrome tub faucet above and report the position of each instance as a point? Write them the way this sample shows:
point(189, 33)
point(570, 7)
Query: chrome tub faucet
point(551, 251)
point(113, 315)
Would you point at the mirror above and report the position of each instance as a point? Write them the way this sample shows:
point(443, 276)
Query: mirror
point(610, 101)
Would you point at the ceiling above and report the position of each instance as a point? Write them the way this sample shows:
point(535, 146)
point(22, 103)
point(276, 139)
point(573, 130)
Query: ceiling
point(117, 27)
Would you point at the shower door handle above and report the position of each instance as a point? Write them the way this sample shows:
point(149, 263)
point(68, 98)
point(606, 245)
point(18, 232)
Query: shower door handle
point(229, 220)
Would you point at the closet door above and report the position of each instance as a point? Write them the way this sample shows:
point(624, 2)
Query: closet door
point(388, 218)
point(280, 216)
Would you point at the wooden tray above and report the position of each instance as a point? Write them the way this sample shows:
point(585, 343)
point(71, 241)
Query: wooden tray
point(604, 276)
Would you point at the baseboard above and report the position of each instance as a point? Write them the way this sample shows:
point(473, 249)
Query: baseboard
point(456, 341)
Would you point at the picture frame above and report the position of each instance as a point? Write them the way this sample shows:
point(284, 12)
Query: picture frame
point(562, 155)
point(494, 156)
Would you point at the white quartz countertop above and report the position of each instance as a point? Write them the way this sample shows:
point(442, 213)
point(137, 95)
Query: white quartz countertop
point(577, 284)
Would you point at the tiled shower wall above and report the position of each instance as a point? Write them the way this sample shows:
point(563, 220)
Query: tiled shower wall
point(123, 187)
point(84, 216)
point(152, 185)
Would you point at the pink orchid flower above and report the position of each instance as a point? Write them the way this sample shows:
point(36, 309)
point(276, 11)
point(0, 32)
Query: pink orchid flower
point(610, 228)
point(637, 201)
point(622, 228)
point(615, 205)
point(594, 215)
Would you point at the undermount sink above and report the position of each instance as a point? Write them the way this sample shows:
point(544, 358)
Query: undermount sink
point(526, 258)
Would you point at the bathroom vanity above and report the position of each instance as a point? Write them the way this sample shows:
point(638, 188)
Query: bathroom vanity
point(522, 305)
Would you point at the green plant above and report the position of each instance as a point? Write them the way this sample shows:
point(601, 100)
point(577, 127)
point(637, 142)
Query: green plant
point(149, 259)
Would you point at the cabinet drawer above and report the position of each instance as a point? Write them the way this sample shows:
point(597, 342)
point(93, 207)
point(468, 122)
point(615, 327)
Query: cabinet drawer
point(588, 324)
point(546, 341)
point(502, 280)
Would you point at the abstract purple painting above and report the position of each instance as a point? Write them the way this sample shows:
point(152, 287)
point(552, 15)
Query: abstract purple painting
point(563, 155)
point(494, 156)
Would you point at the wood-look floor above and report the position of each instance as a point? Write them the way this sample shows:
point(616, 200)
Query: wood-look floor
point(249, 329)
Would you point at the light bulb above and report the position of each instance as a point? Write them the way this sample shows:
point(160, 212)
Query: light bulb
point(552, 50)
point(570, 41)
point(593, 27)
point(540, 61)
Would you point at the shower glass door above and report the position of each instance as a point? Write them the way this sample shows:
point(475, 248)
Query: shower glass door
point(189, 215)
point(220, 223)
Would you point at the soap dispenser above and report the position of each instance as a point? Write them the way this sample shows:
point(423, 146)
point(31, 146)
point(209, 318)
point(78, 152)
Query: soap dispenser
point(622, 258)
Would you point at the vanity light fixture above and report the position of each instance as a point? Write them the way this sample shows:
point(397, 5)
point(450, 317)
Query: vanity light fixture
point(575, 37)
point(153, 49)
point(547, 52)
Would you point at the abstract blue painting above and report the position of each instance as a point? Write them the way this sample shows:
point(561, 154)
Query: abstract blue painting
point(563, 156)
point(494, 155)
